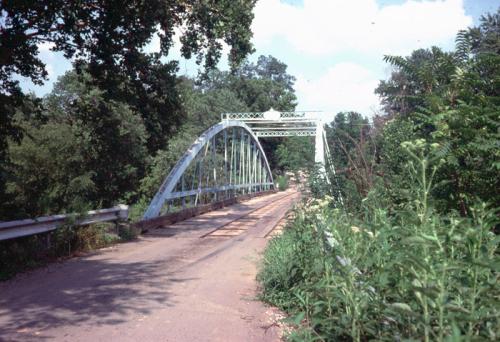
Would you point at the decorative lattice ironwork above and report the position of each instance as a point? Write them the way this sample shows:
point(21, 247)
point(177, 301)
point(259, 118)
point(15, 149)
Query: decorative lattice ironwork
point(286, 133)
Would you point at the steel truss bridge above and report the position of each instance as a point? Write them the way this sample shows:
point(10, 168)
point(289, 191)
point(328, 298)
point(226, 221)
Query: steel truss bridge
point(227, 160)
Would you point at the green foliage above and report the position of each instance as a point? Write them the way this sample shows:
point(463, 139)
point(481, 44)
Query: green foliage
point(354, 154)
point(460, 114)
point(47, 172)
point(294, 154)
point(481, 39)
point(260, 86)
point(450, 99)
point(413, 274)
point(111, 35)
point(393, 160)
point(164, 161)
point(127, 232)
point(83, 151)
point(282, 182)
point(10, 130)
point(317, 183)
point(469, 141)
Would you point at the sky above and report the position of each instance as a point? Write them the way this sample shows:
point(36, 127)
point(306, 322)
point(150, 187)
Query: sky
point(334, 48)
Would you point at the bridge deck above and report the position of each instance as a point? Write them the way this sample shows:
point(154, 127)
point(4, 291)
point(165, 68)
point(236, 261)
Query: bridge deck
point(192, 281)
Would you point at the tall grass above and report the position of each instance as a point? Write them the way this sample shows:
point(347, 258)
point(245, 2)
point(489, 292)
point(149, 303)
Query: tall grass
point(412, 274)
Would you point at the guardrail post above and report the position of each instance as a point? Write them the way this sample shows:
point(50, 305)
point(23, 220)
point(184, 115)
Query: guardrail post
point(123, 213)
point(48, 242)
point(122, 216)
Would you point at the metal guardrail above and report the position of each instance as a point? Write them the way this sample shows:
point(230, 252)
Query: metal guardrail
point(15, 229)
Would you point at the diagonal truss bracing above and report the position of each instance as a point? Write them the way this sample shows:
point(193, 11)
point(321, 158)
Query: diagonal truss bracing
point(226, 160)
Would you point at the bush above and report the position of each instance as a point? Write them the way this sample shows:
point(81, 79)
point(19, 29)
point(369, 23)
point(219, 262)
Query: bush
point(410, 274)
point(282, 182)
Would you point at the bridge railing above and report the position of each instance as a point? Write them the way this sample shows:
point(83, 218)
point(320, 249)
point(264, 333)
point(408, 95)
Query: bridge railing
point(19, 228)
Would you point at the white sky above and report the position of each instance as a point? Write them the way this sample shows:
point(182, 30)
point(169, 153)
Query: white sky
point(335, 47)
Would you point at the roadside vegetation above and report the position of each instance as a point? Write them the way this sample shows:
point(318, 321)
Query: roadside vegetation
point(411, 251)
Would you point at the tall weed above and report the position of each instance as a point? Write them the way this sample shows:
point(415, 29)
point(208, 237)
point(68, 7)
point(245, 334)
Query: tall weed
point(405, 275)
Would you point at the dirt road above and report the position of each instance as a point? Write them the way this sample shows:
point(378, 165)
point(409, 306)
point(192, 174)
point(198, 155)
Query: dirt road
point(192, 281)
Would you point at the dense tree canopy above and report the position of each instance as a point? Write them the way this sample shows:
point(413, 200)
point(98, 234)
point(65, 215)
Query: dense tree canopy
point(262, 85)
point(110, 35)
point(108, 38)
point(81, 150)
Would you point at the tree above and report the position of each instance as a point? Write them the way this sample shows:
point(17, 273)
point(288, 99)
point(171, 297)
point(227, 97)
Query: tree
point(354, 154)
point(110, 35)
point(48, 174)
point(452, 101)
point(260, 86)
point(483, 38)
point(421, 79)
point(106, 39)
point(294, 154)
point(83, 151)
point(269, 68)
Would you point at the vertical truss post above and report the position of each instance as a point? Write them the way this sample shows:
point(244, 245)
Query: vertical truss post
point(183, 188)
point(208, 173)
point(319, 149)
point(241, 159)
point(259, 170)
point(197, 176)
point(200, 179)
point(254, 168)
point(214, 169)
point(231, 160)
point(232, 175)
point(225, 164)
point(249, 164)
point(251, 167)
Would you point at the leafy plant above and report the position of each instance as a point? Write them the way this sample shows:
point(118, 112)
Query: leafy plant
point(282, 183)
point(410, 274)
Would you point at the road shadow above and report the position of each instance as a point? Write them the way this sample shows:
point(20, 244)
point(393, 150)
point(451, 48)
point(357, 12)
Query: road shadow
point(87, 291)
